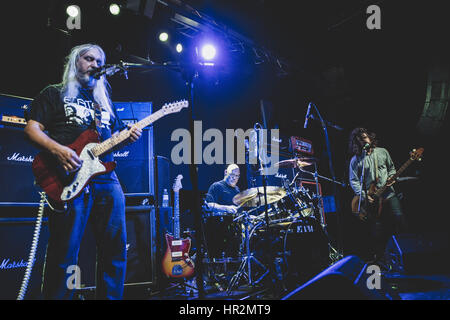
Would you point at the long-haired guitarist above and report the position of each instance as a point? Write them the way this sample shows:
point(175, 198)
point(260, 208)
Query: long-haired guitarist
point(58, 115)
point(378, 171)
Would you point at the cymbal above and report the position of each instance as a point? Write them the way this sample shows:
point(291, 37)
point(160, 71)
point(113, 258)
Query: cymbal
point(293, 163)
point(311, 159)
point(254, 197)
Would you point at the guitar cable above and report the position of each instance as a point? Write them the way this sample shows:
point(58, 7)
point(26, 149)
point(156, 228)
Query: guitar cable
point(33, 249)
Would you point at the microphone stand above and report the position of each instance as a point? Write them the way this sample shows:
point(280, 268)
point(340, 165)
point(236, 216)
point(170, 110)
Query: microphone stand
point(264, 177)
point(189, 73)
point(324, 127)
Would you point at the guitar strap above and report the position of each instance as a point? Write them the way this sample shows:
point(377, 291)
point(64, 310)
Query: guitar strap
point(376, 166)
point(98, 117)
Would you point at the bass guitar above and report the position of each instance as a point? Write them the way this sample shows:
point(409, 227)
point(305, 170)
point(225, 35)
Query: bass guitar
point(61, 186)
point(176, 262)
point(373, 210)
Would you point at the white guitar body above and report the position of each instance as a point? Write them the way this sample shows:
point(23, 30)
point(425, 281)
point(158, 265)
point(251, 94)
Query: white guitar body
point(91, 167)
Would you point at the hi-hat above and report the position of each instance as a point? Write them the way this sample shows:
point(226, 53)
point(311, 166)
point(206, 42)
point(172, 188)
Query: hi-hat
point(254, 197)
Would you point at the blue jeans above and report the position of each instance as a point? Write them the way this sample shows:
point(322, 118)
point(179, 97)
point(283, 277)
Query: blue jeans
point(104, 205)
point(392, 222)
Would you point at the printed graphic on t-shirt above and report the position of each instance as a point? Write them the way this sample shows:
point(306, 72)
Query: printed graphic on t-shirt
point(79, 111)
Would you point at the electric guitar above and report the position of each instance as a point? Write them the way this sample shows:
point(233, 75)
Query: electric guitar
point(176, 262)
point(61, 186)
point(373, 210)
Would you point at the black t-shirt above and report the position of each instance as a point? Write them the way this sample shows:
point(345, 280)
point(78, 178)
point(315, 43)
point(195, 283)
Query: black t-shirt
point(221, 193)
point(66, 118)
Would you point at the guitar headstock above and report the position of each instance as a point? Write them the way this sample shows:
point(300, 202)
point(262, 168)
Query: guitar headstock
point(174, 106)
point(416, 154)
point(177, 184)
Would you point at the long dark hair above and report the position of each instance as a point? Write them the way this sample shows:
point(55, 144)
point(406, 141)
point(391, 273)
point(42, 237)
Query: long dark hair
point(356, 143)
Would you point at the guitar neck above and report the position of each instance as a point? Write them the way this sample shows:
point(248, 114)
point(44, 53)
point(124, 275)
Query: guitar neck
point(117, 139)
point(395, 176)
point(176, 215)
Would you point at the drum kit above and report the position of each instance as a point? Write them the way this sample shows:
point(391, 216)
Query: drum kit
point(279, 231)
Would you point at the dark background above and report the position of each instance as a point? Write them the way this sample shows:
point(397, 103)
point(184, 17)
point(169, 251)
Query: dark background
point(355, 76)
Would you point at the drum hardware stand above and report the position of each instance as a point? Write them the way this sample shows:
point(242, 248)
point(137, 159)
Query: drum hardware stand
point(247, 260)
point(210, 263)
point(287, 187)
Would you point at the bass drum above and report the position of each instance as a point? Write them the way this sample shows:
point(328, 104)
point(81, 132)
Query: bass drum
point(297, 250)
point(223, 237)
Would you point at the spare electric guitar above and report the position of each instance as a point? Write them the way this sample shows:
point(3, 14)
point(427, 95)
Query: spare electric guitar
point(373, 210)
point(176, 262)
point(61, 186)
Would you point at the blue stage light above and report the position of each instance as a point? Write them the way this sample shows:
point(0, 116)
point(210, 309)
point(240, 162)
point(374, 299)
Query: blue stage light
point(208, 52)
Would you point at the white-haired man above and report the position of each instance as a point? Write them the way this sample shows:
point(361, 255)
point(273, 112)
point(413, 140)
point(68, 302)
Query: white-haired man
point(66, 110)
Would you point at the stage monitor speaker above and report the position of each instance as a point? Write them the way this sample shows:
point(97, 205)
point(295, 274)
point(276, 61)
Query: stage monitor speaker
point(16, 175)
point(345, 280)
point(419, 253)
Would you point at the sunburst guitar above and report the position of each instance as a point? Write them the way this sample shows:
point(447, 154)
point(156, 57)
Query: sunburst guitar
point(176, 262)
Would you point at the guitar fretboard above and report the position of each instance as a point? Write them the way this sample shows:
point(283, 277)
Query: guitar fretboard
point(123, 135)
point(176, 214)
point(395, 176)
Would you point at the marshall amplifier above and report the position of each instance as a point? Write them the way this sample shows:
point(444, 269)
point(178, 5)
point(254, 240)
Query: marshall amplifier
point(16, 154)
point(13, 109)
point(135, 165)
point(16, 176)
point(17, 226)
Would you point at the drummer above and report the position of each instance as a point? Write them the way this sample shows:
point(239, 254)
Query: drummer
point(220, 194)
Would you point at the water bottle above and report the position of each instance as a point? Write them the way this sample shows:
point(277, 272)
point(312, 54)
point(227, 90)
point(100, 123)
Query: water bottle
point(165, 198)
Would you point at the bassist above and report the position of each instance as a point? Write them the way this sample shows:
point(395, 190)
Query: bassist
point(378, 171)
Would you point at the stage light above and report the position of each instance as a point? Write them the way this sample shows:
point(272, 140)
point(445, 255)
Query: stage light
point(114, 8)
point(179, 47)
point(163, 36)
point(72, 11)
point(208, 52)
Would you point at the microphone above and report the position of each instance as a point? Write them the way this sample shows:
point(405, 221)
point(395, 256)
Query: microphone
point(366, 146)
point(108, 70)
point(96, 73)
point(307, 115)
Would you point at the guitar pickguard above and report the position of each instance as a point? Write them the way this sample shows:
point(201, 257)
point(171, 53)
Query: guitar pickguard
point(91, 166)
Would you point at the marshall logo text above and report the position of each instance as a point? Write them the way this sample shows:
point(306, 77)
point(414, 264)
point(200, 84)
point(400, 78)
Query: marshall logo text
point(19, 158)
point(8, 264)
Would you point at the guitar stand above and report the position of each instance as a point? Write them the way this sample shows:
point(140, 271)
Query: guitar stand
point(246, 262)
